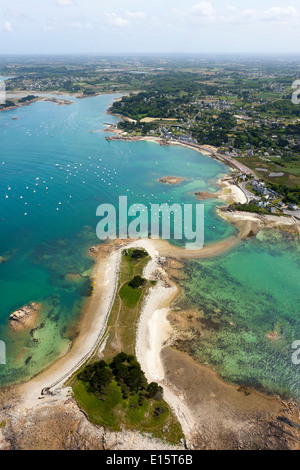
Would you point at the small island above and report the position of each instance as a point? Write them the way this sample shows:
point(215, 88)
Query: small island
point(170, 180)
point(206, 195)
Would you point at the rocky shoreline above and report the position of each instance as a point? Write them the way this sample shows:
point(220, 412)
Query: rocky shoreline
point(17, 105)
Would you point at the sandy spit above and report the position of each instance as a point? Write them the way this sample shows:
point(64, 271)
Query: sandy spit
point(153, 333)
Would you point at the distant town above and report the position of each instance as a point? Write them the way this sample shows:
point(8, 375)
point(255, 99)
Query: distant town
point(242, 109)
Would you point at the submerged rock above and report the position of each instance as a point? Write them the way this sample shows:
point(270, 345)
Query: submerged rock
point(25, 317)
point(170, 180)
point(206, 195)
point(73, 277)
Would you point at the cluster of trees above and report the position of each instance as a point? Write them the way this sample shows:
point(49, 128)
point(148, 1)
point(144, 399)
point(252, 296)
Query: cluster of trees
point(89, 92)
point(137, 282)
point(143, 127)
point(27, 98)
point(289, 193)
point(152, 104)
point(137, 254)
point(163, 94)
point(293, 129)
point(284, 107)
point(226, 121)
point(96, 377)
point(247, 207)
point(127, 373)
point(214, 137)
point(176, 82)
point(7, 104)
point(254, 137)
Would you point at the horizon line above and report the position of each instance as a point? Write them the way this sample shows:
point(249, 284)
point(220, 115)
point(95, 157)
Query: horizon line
point(151, 53)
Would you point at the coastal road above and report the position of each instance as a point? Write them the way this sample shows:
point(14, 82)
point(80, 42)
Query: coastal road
point(239, 166)
point(249, 195)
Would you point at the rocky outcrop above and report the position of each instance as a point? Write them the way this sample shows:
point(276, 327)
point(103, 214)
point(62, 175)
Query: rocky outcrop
point(25, 317)
point(61, 425)
point(73, 277)
point(170, 180)
point(94, 250)
point(206, 195)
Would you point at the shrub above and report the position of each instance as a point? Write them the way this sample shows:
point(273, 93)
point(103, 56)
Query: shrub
point(137, 282)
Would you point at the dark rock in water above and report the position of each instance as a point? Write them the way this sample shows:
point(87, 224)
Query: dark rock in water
point(170, 180)
point(87, 288)
point(28, 360)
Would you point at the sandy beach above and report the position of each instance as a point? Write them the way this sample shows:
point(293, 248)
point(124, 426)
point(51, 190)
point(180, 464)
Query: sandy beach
point(261, 221)
point(160, 362)
point(154, 332)
point(91, 330)
point(153, 329)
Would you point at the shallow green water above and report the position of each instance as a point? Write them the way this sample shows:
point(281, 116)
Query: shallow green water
point(243, 296)
point(50, 160)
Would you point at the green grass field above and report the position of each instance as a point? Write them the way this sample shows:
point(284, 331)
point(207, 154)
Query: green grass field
point(290, 170)
point(116, 413)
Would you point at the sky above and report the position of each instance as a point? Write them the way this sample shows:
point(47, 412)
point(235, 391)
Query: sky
point(149, 26)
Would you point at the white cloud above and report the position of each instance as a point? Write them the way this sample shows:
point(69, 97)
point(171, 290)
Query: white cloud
point(202, 9)
point(280, 14)
point(116, 20)
point(251, 16)
point(136, 14)
point(202, 12)
point(7, 26)
point(205, 12)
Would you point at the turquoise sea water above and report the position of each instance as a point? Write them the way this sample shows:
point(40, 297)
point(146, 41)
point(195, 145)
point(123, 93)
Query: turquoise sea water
point(53, 174)
point(50, 160)
point(241, 297)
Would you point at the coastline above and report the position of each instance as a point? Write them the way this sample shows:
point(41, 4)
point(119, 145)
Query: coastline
point(91, 330)
point(248, 223)
point(58, 372)
point(262, 221)
point(154, 335)
point(50, 96)
point(39, 98)
point(158, 359)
